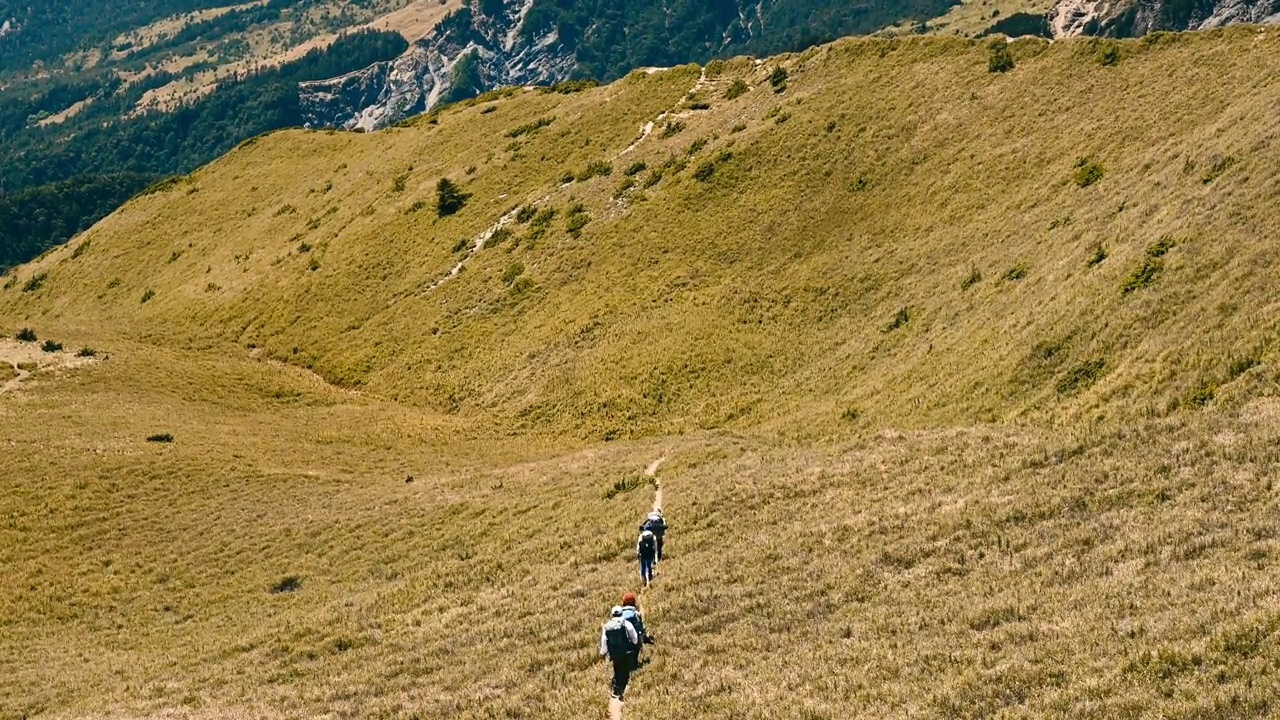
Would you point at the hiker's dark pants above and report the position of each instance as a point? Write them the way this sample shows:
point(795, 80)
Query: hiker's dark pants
point(659, 539)
point(646, 567)
point(622, 668)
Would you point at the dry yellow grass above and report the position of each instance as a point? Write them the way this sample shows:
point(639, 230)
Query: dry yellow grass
point(960, 516)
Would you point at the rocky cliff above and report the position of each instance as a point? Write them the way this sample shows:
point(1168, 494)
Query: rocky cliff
point(493, 43)
point(1134, 18)
point(468, 53)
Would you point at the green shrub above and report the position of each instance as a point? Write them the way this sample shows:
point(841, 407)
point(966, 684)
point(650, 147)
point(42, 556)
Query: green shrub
point(672, 128)
point(635, 168)
point(576, 222)
point(86, 352)
point(417, 205)
point(1152, 266)
point(696, 146)
point(35, 282)
point(623, 187)
point(513, 271)
point(289, 584)
point(50, 346)
point(399, 181)
point(26, 335)
point(974, 277)
point(595, 168)
point(567, 178)
point(654, 178)
point(1087, 172)
point(626, 485)
point(1081, 376)
point(1107, 53)
point(313, 264)
point(521, 286)
point(1099, 254)
point(173, 257)
point(148, 294)
point(526, 213)
point(1241, 365)
point(544, 217)
point(708, 168)
point(778, 79)
point(81, 249)
point(450, 198)
point(850, 414)
point(900, 319)
point(462, 244)
point(499, 236)
point(304, 248)
point(999, 59)
point(736, 89)
point(160, 438)
point(1203, 396)
point(531, 127)
point(1015, 273)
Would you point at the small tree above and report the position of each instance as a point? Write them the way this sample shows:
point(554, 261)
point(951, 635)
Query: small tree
point(449, 197)
point(1001, 60)
point(778, 79)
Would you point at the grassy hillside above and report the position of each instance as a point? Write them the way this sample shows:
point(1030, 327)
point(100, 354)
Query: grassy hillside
point(967, 382)
point(883, 179)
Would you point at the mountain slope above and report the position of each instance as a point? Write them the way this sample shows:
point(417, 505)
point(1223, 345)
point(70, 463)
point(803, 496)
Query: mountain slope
point(310, 470)
point(872, 238)
point(549, 41)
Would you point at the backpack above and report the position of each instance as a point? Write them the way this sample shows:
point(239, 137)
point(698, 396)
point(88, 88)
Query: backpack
point(648, 544)
point(632, 615)
point(616, 640)
point(655, 524)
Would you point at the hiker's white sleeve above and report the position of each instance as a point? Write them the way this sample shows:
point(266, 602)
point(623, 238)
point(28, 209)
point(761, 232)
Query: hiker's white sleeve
point(631, 633)
point(604, 644)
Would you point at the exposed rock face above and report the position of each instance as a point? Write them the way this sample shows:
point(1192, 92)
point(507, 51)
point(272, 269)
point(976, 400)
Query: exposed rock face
point(466, 54)
point(1134, 18)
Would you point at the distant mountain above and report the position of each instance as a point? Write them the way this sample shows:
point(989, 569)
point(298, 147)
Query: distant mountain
point(1134, 18)
point(493, 43)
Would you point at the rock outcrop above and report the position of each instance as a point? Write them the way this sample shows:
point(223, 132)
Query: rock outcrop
point(466, 54)
point(1135, 18)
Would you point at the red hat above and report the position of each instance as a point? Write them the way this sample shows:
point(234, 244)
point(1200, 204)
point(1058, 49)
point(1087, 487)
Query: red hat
point(629, 599)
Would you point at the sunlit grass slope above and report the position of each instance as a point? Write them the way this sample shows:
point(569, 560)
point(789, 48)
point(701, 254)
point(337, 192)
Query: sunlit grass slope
point(900, 233)
point(967, 382)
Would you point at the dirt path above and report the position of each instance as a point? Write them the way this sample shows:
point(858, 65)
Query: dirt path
point(616, 705)
point(652, 472)
point(476, 246)
point(22, 356)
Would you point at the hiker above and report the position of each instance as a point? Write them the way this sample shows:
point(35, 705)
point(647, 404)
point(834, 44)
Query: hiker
point(657, 525)
point(620, 643)
point(647, 554)
point(631, 613)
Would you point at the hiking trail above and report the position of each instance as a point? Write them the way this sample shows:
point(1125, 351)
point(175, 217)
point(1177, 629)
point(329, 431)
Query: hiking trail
point(616, 705)
point(27, 357)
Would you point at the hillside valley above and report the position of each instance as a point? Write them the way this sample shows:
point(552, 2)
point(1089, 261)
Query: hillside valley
point(961, 354)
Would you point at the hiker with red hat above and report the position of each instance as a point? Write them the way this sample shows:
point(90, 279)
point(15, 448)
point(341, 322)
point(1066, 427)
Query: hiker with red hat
point(631, 613)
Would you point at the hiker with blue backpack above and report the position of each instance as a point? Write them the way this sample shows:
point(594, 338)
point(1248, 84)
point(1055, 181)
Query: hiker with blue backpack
point(656, 524)
point(647, 554)
point(620, 643)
